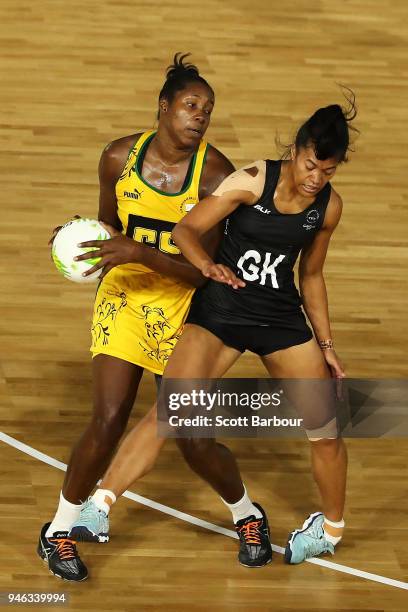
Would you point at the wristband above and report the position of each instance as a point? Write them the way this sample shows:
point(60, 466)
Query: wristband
point(326, 344)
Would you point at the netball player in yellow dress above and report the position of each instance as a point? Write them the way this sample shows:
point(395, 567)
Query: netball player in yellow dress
point(148, 182)
point(139, 312)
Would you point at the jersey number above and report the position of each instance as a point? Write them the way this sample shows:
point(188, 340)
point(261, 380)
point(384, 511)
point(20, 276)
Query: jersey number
point(152, 232)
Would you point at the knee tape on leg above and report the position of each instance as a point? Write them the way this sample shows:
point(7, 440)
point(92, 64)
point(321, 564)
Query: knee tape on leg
point(327, 432)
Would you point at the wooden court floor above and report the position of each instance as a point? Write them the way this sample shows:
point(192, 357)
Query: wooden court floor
point(76, 75)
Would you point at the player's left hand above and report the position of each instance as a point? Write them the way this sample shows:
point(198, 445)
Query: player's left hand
point(334, 363)
point(222, 274)
point(336, 369)
point(115, 251)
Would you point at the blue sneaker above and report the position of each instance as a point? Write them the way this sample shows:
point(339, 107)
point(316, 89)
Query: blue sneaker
point(309, 541)
point(92, 525)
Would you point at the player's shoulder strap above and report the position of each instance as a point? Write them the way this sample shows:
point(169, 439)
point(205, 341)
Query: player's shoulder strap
point(134, 151)
point(198, 163)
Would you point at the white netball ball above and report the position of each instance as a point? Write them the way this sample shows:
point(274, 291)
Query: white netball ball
point(65, 248)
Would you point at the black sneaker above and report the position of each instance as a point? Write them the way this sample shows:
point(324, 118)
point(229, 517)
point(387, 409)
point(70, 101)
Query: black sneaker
point(255, 546)
point(61, 554)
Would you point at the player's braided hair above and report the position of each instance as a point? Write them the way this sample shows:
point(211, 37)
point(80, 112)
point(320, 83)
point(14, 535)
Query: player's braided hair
point(178, 75)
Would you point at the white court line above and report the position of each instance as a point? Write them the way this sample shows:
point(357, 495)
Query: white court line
point(199, 522)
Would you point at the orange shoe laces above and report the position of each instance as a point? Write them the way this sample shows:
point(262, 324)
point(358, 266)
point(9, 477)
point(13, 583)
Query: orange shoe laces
point(65, 548)
point(251, 533)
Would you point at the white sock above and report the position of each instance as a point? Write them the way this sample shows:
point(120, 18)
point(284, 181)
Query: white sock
point(98, 499)
point(65, 516)
point(243, 508)
point(339, 525)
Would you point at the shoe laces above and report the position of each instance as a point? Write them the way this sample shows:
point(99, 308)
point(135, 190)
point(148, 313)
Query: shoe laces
point(316, 548)
point(315, 530)
point(90, 510)
point(250, 532)
point(65, 548)
point(317, 542)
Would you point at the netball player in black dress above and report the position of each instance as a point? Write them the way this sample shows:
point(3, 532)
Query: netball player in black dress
point(276, 210)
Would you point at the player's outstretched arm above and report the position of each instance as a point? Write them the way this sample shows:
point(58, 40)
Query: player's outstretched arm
point(242, 187)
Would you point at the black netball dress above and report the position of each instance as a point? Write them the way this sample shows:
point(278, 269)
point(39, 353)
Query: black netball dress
point(261, 246)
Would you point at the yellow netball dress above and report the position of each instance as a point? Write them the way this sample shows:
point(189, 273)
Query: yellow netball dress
point(138, 313)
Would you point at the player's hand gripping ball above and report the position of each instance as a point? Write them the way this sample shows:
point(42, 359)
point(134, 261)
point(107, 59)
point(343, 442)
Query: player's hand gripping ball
point(65, 248)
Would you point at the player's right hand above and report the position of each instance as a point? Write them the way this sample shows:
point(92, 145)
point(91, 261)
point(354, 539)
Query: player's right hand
point(222, 274)
point(57, 229)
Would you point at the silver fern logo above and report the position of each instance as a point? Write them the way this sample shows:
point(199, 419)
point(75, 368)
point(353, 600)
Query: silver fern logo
point(312, 218)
